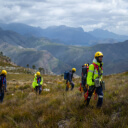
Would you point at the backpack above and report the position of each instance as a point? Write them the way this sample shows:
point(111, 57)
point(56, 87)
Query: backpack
point(66, 74)
point(85, 71)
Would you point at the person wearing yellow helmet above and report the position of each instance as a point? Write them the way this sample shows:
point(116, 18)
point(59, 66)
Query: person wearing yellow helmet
point(94, 78)
point(38, 73)
point(4, 72)
point(37, 83)
point(3, 84)
point(73, 70)
point(69, 79)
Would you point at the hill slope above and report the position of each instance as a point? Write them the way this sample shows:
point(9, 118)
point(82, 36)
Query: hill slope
point(58, 108)
point(115, 55)
point(24, 56)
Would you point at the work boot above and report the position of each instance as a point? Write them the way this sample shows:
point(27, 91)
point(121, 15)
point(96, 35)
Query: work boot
point(67, 88)
point(72, 88)
point(99, 105)
point(87, 101)
point(40, 92)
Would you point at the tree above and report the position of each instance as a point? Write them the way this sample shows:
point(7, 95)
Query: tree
point(33, 66)
point(27, 65)
point(1, 53)
point(41, 70)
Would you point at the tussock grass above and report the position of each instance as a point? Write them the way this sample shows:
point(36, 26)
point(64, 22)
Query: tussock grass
point(22, 108)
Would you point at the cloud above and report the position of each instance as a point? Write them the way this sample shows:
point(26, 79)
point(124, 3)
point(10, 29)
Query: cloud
point(108, 14)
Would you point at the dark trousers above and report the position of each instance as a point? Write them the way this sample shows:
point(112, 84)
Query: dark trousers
point(84, 84)
point(99, 93)
point(1, 95)
point(38, 89)
point(5, 87)
point(72, 85)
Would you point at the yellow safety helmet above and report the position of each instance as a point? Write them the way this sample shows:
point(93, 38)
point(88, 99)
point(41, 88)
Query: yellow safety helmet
point(85, 64)
point(38, 73)
point(98, 54)
point(34, 75)
point(4, 72)
point(74, 69)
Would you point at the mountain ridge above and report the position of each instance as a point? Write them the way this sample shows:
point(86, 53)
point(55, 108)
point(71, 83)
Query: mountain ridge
point(63, 34)
point(59, 57)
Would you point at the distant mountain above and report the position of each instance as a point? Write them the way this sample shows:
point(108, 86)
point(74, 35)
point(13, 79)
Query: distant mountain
point(16, 39)
point(68, 35)
point(12, 38)
point(20, 49)
point(22, 29)
point(115, 55)
point(105, 34)
point(59, 34)
point(59, 57)
point(23, 56)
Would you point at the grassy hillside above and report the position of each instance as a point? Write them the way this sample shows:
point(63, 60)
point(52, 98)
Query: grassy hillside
point(59, 109)
point(6, 64)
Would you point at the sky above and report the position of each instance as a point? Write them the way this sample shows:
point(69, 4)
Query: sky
point(109, 15)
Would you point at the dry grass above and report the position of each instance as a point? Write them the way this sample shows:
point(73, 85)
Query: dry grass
point(23, 109)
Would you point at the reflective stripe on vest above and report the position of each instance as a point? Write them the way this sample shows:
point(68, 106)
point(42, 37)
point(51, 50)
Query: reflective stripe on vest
point(89, 97)
point(95, 72)
point(90, 71)
point(100, 96)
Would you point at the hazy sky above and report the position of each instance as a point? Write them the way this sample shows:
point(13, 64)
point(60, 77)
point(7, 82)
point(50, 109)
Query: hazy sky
point(88, 14)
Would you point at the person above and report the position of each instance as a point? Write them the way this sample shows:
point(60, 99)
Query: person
point(94, 79)
point(3, 84)
point(69, 79)
point(37, 83)
point(85, 68)
point(34, 75)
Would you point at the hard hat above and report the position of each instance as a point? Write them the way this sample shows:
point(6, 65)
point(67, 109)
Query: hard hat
point(34, 75)
point(85, 64)
point(98, 54)
point(4, 72)
point(74, 69)
point(38, 73)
